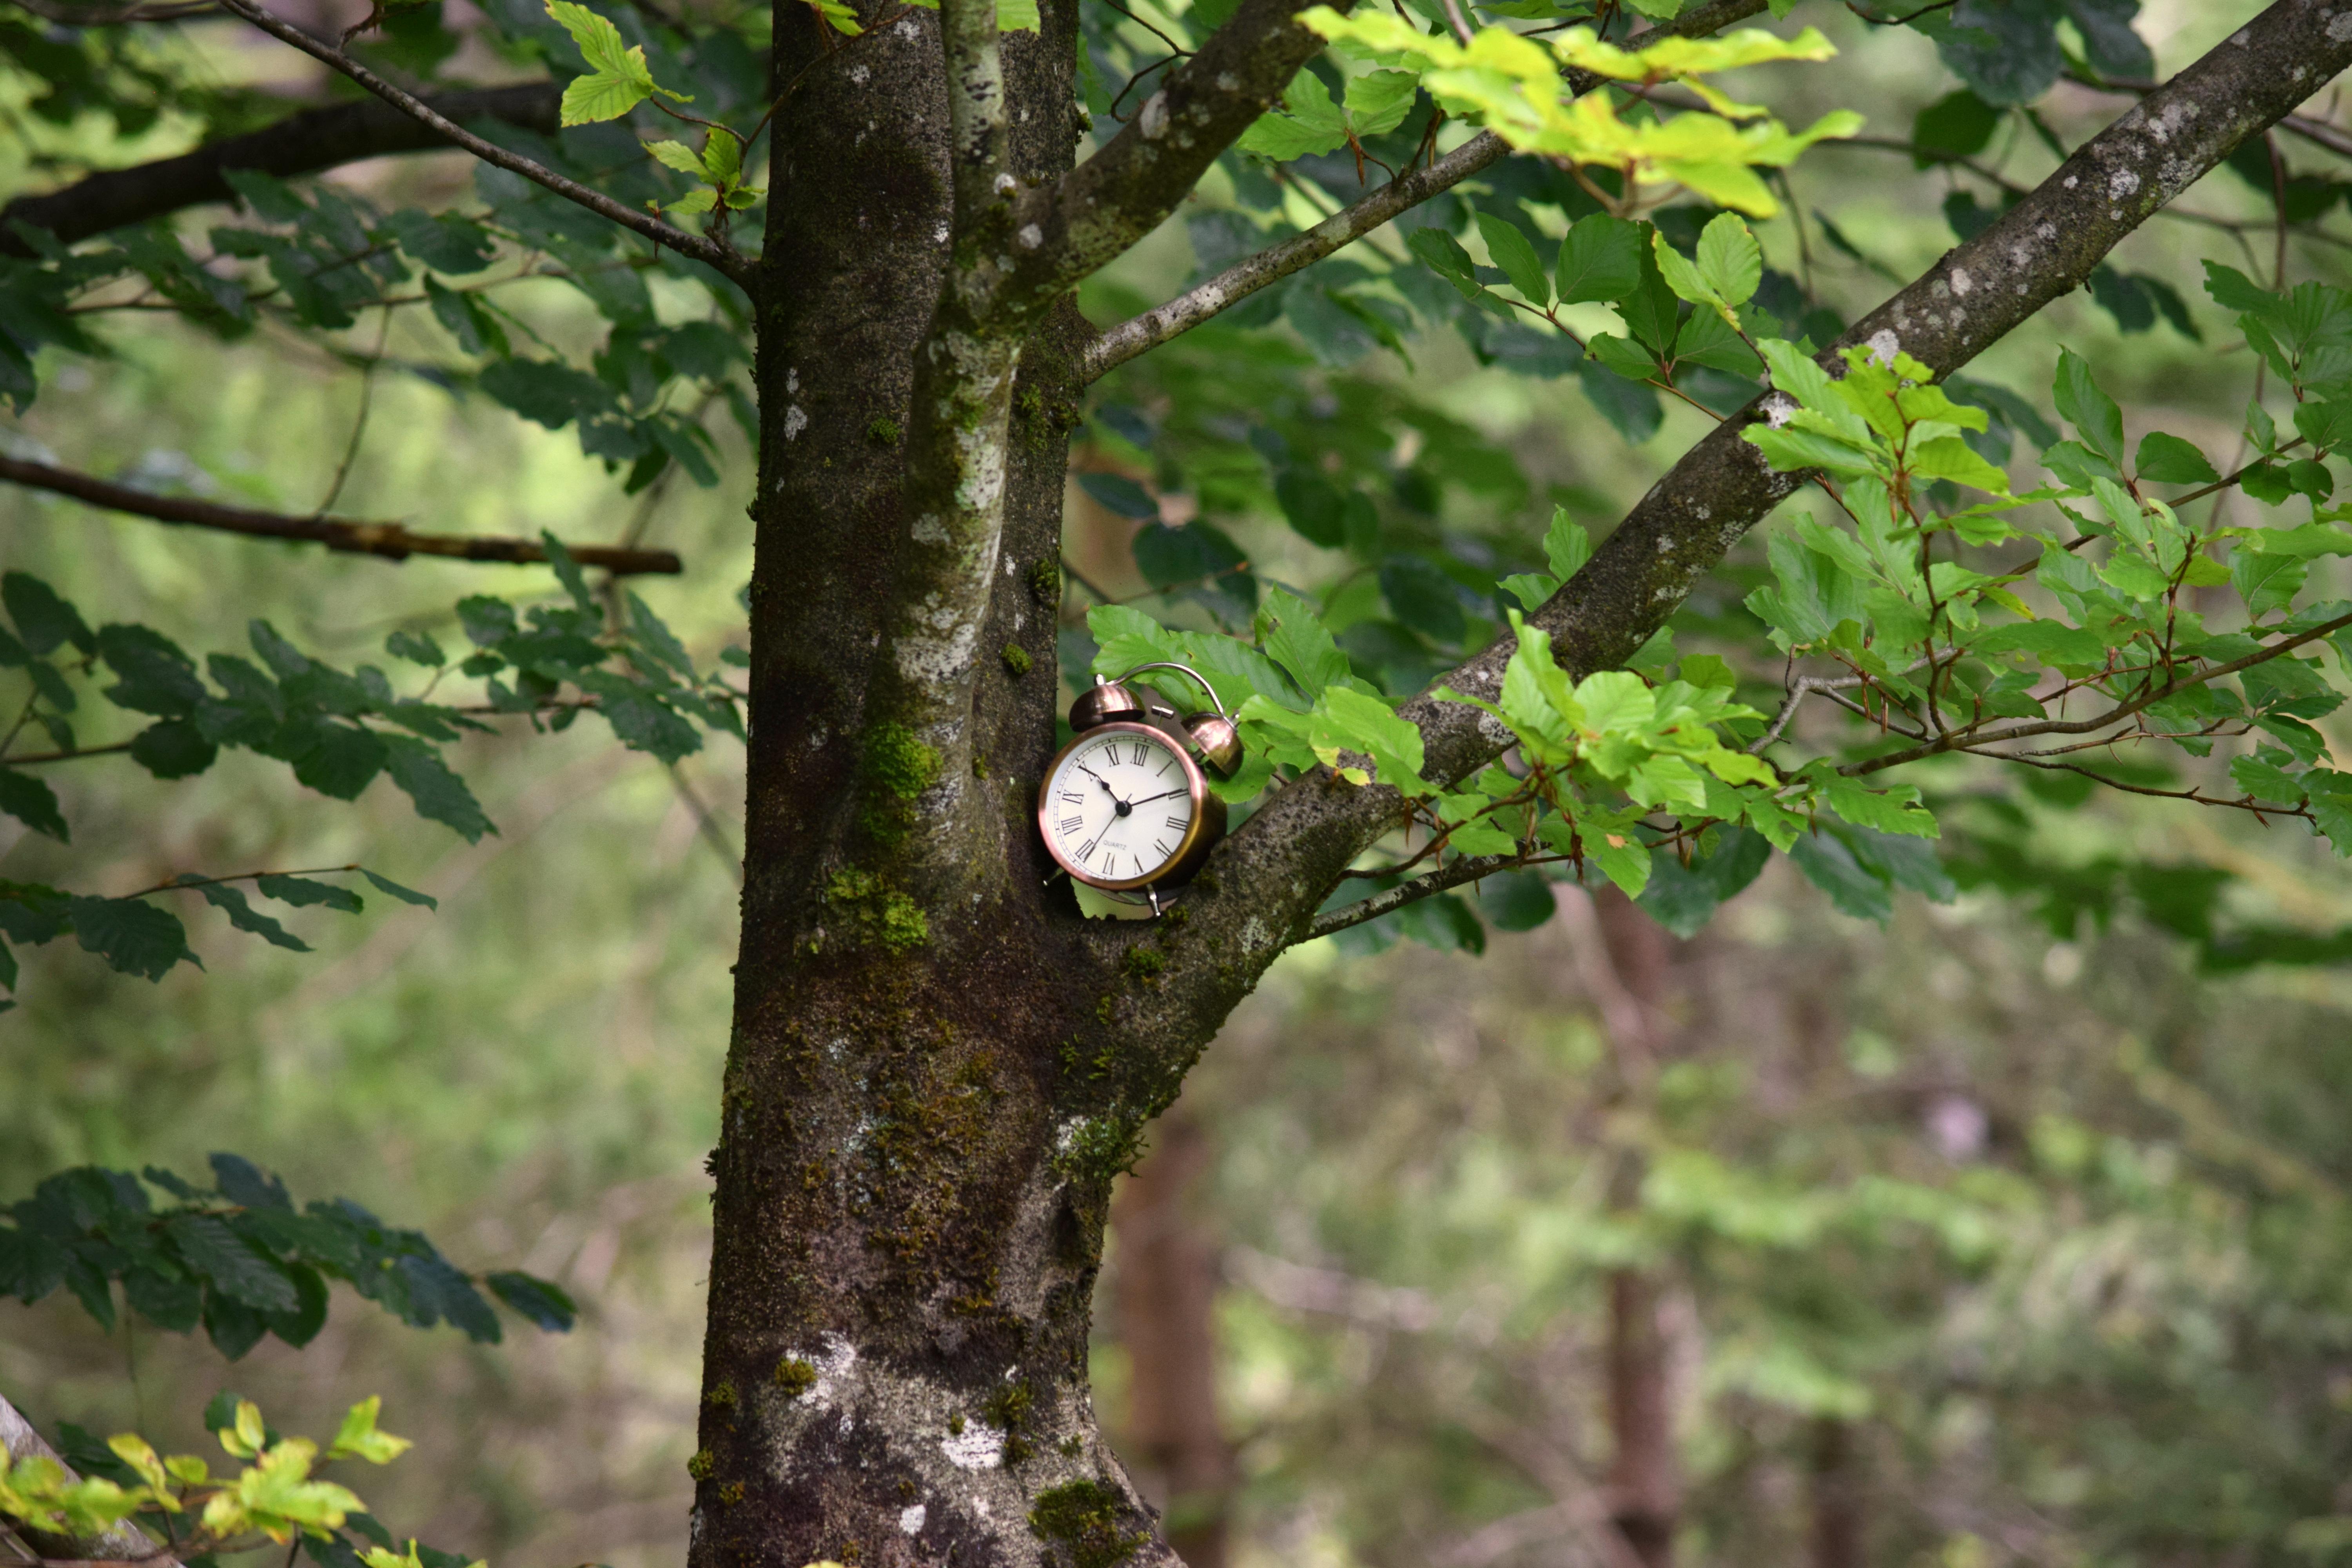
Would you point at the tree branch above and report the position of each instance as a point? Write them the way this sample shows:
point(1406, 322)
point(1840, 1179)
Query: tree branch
point(1068, 230)
point(126, 1542)
point(977, 138)
point(300, 143)
point(724, 260)
point(1263, 884)
point(389, 540)
point(1344, 228)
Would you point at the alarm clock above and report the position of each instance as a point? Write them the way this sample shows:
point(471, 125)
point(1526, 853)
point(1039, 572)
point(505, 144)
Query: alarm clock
point(1126, 806)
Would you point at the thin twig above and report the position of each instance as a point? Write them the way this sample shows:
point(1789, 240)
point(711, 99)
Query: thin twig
point(68, 756)
point(359, 424)
point(1468, 869)
point(706, 828)
point(1963, 740)
point(178, 883)
point(725, 259)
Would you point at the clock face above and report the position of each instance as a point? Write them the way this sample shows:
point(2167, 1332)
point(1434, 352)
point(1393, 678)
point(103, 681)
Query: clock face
point(1119, 809)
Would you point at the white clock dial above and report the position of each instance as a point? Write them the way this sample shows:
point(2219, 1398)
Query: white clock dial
point(1119, 807)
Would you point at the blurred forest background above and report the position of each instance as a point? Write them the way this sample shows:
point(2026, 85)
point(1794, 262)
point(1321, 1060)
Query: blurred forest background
point(2001, 1231)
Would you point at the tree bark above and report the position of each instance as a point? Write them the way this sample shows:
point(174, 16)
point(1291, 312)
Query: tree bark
point(1166, 1296)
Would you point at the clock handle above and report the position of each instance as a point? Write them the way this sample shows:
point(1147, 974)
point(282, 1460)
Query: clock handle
point(1207, 689)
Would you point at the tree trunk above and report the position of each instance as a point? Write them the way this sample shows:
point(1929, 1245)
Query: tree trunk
point(1167, 1294)
point(1644, 1477)
point(1837, 1495)
point(910, 1188)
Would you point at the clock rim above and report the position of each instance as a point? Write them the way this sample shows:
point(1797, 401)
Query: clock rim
point(1174, 869)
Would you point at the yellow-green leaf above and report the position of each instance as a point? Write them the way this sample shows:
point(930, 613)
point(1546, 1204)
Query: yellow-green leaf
point(359, 1437)
point(675, 156)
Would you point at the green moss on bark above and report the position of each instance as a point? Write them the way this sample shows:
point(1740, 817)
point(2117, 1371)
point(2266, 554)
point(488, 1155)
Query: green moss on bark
point(1082, 1518)
point(893, 774)
point(867, 912)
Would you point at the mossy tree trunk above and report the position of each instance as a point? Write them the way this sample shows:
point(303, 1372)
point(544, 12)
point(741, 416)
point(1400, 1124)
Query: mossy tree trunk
point(938, 1067)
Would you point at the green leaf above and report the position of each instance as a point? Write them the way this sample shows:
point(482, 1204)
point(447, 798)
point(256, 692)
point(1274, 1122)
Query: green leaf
point(2050, 641)
point(1293, 637)
point(2169, 460)
point(1379, 100)
point(1729, 260)
point(1894, 810)
point(600, 95)
point(1422, 598)
point(1530, 588)
point(2096, 419)
point(1516, 255)
point(1366, 724)
point(677, 155)
point(31, 801)
point(1683, 898)
point(1950, 458)
point(2266, 582)
point(618, 78)
point(1312, 124)
point(1958, 124)
point(723, 155)
point(2267, 781)
point(545, 392)
point(416, 648)
point(341, 760)
point(1567, 545)
point(1681, 275)
point(405, 895)
point(1443, 253)
point(1709, 339)
point(467, 318)
point(156, 676)
point(438, 794)
point(303, 893)
point(358, 1438)
point(543, 1303)
point(1600, 262)
point(43, 621)
point(1623, 860)
point(132, 935)
point(567, 572)
point(1831, 866)
point(246, 918)
point(701, 199)
point(487, 621)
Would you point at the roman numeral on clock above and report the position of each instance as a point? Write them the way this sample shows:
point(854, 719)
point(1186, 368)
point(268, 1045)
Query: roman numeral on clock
point(1162, 848)
point(1072, 824)
point(1178, 823)
point(1087, 850)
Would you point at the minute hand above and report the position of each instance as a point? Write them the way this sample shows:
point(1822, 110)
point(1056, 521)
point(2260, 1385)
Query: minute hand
point(1148, 799)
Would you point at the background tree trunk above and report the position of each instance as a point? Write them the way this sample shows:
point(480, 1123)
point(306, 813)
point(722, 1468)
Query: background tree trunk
point(1644, 1477)
point(1166, 1297)
point(1837, 1495)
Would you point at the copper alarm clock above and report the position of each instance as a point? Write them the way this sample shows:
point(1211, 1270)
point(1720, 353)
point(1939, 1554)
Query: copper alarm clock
point(1126, 806)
